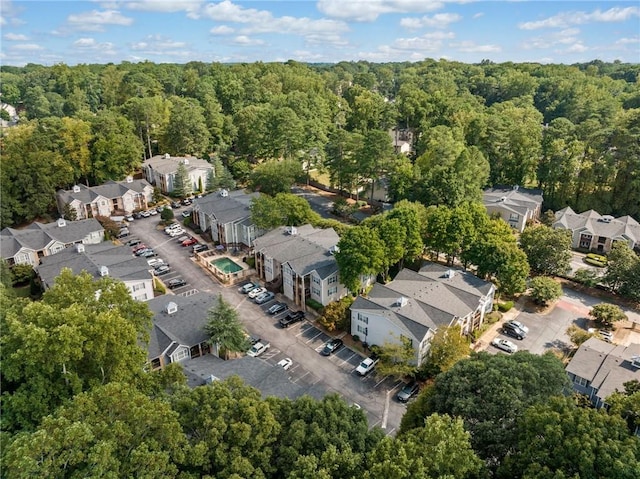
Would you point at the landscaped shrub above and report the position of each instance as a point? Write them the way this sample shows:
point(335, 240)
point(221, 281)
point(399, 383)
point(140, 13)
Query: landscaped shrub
point(506, 306)
point(313, 304)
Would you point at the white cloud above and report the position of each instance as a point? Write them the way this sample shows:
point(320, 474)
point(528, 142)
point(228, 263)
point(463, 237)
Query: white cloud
point(245, 41)
point(563, 37)
point(85, 45)
point(30, 47)
point(369, 10)
point(429, 42)
point(627, 41)
point(222, 30)
point(227, 11)
point(439, 20)
point(15, 37)
point(576, 48)
point(2, 21)
point(165, 6)
point(565, 19)
point(157, 43)
point(478, 15)
point(470, 47)
point(96, 20)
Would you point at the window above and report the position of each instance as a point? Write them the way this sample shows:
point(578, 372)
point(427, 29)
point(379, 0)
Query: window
point(514, 217)
point(602, 239)
point(155, 363)
point(138, 286)
point(23, 258)
point(362, 329)
point(333, 279)
point(363, 319)
point(315, 279)
point(333, 290)
point(580, 381)
point(180, 354)
point(315, 291)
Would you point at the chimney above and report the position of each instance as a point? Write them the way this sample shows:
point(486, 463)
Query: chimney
point(76, 188)
point(171, 307)
point(104, 271)
point(401, 301)
point(167, 156)
point(186, 161)
point(80, 248)
point(129, 179)
point(62, 223)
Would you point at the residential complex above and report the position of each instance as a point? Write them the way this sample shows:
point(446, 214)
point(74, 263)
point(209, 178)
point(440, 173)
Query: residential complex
point(515, 205)
point(160, 171)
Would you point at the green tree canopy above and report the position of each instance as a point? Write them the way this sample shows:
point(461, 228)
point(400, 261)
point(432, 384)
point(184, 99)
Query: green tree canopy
point(224, 328)
point(623, 270)
point(606, 314)
point(545, 290)
point(361, 252)
point(448, 347)
point(83, 333)
point(548, 250)
point(283, 209)
point(273, 176)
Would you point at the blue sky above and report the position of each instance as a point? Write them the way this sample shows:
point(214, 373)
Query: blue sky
point(179, 31)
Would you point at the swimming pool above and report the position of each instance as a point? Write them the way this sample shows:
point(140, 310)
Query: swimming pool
point(226, 265)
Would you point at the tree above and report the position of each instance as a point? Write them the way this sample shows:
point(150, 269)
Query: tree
point(397, 358)
point(394, 237)
point(167, 215)
point(545, 290)
point(111, 431)
point(336, 315)
point(489, 392)
point(439, 449)
point(578, 335)
point(111, 228)
point(360, 253)
point(6, 278)
point(548, 250)
point(21, 274)
point(224, 328)
point(231, 430)
point(285, 209)
point(273, 177)
point(447, 347)
point(546, 439)
point(623, 270)
point(182, 187)
point(627, 404)
point(186, 131)
point(606, 314)
point(83, 333)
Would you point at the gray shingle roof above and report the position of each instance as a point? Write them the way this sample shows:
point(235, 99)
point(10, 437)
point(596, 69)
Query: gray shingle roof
point(167, 165)
point(226, 209)
point(607, 366)
point(185, 326)
point(37, 236)
point(110, 189)
point(121, 263)
point(305, 251)
point(520, 199)
point(432, 297)
point(593, 222)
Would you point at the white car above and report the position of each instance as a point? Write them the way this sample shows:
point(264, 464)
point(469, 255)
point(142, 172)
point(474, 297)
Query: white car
point(286, 363)
point(520, 325)
point(505, 345)
point(254, 293)
point(177, 232)
point(155, 262)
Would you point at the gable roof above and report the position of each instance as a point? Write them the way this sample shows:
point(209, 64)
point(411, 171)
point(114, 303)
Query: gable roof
point(183, 327)
point(109, 189)
point(606, 366)
point(233, 207)
point(37, 236)
point(166, 164)
point(593, 222)
point(120, 262)
point(432, 297)
point(305, 251)
point(516, 198)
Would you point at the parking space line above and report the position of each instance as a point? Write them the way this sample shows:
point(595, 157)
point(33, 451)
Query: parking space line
point(319, 334)
point(348, 359)
point(380, 382)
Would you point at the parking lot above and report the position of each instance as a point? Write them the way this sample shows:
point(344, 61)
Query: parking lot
point(301, 341)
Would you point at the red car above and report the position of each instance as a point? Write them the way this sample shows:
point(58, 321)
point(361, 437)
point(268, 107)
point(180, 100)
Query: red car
point(189, 242)
point(139, 247)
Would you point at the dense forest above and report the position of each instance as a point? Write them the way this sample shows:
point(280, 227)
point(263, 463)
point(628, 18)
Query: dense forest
point(573, 131)
point(76, 402)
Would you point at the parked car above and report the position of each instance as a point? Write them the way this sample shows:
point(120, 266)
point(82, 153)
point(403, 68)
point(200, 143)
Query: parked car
point(162, 269)
point(367, 365)
point(145, 214)
point(265, 297)
point(175, 283)
point(504, 345)
point(254, 293)
point(139, 246)
point(408, 391)
point(189, 242)
point(176, 204)
point(177, 232)
point(285, 363)
point(124, 232)
point(183, 238)
point(514, 331)
point(277, 308)
point(186, 213)
point(519, 325)
point(137, 215)
point(248, 287)
point(134, 242)
point(129, 218)
point(149, 253)
point(171, 227)
point(200, 247)
point(153, 212)
point(332, 346)
point(291, 318)
point(186, 202)
point(155, 262)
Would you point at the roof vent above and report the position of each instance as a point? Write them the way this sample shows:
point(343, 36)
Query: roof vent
point(185, 161)
point(104, 271)
point(167, 156)
point(62, 223)
point(224, 193)
point(516, 187)
point(449, 273)
point(76, 188)
point(171, 308)
point(129, 179)
point(80, 248)
point(334, 249)
point(607, 219)
point(402, 301)
point(502, 200)
point(292, 230)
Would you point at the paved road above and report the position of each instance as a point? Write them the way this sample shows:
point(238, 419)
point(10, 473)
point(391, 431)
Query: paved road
point(301, 342)
point(319, 203)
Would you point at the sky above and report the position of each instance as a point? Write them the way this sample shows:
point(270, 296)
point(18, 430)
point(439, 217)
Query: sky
point(317, 31)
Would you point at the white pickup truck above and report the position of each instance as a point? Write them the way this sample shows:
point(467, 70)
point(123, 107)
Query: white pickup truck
point(367, 365)
point(258, 348)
